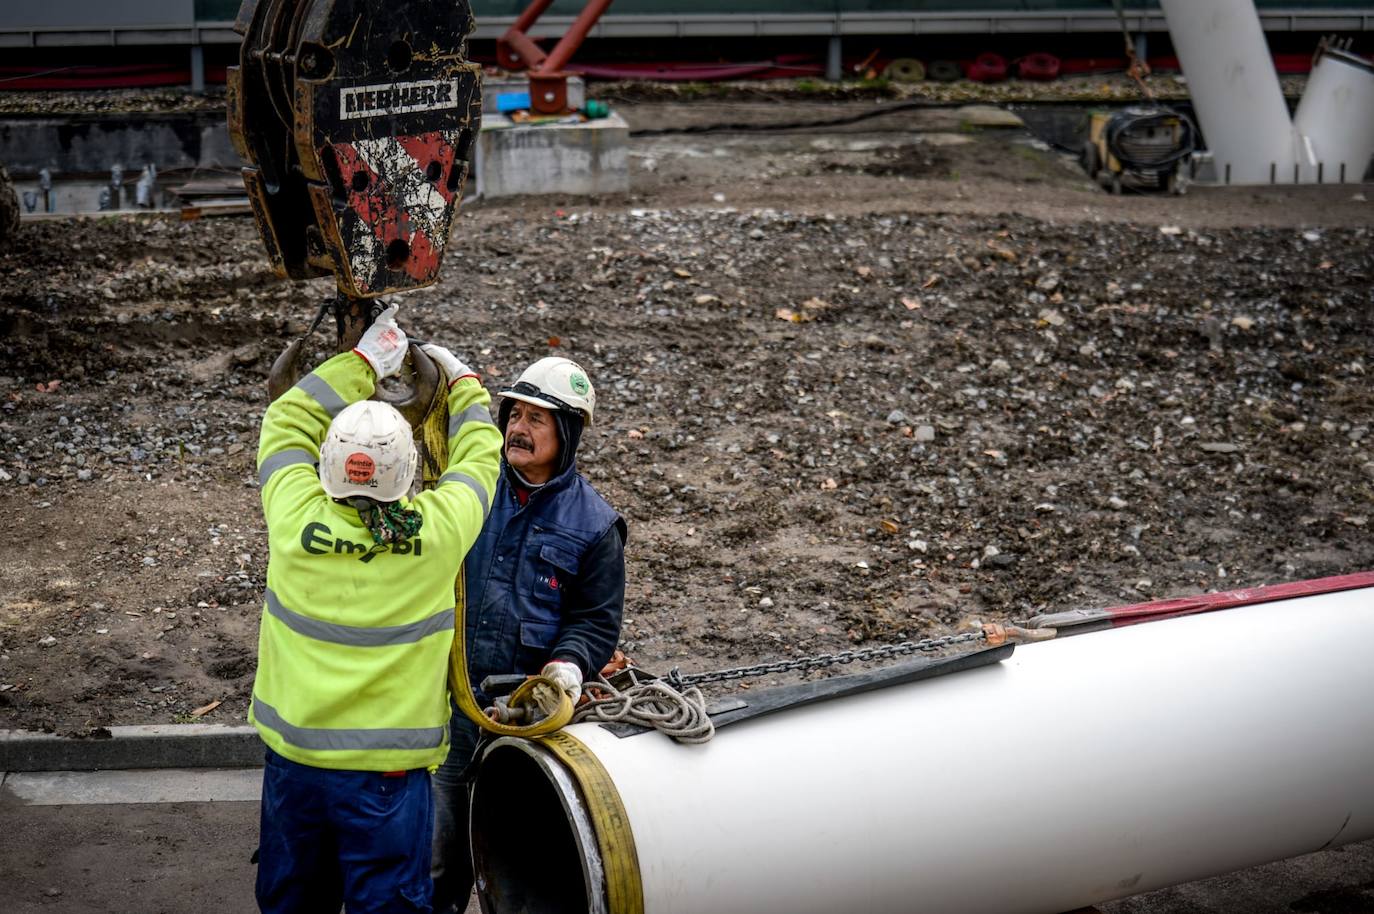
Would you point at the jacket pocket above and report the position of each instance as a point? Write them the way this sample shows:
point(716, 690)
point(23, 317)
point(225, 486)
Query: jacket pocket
point(536, 639)
point(553, 569)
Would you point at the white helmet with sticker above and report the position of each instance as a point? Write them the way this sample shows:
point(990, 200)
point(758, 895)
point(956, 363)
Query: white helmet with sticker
point(558, 384)
point(369, 451)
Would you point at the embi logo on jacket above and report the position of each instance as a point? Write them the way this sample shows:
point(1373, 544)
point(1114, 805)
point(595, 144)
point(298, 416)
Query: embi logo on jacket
point(318, 539)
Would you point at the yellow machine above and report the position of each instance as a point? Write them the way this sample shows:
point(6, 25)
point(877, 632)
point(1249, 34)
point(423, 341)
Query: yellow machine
point(1145, 148)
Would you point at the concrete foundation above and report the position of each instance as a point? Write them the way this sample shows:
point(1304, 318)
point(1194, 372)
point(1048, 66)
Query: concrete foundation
point(586, 158)
point(550, 158)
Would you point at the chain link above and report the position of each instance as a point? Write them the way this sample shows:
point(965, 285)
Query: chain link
point(821, 661)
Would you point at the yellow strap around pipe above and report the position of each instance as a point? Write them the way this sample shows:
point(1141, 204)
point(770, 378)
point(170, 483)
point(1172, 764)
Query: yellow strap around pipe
point(614, 837)
point(461, 686)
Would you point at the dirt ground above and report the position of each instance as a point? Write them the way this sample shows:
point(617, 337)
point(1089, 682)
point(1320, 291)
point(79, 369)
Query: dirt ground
point(857, 385)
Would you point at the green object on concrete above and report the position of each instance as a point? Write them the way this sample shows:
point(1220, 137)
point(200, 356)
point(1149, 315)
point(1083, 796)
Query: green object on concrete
point(595, 109)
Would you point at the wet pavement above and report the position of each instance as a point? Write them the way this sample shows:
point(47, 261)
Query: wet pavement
point(170, 841)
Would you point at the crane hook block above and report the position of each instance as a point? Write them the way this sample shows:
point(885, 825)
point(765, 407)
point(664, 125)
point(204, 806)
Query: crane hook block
point(357, 120)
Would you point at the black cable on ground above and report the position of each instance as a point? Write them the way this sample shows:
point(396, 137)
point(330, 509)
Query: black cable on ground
point(794, 125)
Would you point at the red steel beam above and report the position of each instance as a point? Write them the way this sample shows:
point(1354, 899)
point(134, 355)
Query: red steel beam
point(515, 50)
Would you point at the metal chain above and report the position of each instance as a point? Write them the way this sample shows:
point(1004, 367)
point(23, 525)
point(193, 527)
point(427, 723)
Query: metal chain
point(821, 661)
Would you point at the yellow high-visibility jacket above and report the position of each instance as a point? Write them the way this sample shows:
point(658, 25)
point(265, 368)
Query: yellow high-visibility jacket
point(354, 646)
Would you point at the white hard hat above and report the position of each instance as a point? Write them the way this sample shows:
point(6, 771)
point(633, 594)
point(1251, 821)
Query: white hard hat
point(556, 383)
point(369, 451)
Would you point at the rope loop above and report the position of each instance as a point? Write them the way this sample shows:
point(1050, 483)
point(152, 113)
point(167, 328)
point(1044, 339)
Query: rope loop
point(654, 703)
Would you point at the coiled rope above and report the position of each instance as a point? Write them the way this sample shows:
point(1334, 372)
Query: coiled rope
point(680, 715)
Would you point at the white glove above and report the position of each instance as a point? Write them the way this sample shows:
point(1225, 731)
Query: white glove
point(383, 345)
point(454, 367)
point(566, 675)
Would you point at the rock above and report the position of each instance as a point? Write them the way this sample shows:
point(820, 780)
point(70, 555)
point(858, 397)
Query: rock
point(987, 116)
point(766, 603)
point(925, 433)
point(47, 641)
point(896, 417)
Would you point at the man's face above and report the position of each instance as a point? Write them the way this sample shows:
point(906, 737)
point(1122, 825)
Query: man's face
point(532, 441)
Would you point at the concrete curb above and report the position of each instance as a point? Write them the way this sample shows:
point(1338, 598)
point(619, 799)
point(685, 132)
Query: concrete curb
point(158, 746)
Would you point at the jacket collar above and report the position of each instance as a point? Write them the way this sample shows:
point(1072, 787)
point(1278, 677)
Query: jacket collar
point(555, 484)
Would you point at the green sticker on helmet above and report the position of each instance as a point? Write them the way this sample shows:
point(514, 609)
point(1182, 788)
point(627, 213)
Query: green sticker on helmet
point(579, 384)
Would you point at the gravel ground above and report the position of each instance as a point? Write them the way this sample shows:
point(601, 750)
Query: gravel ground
point(856, 388)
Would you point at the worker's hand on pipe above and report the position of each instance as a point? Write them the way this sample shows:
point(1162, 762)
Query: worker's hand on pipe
point(454, 367)
point(383, 345)
point(568, 676)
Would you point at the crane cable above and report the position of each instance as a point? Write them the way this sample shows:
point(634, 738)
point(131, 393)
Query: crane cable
point(1136, 68)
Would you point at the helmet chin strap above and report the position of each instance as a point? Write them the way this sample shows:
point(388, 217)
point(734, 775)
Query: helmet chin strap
point(387, 521)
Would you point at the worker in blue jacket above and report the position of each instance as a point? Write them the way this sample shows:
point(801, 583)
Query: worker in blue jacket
point(545, 583)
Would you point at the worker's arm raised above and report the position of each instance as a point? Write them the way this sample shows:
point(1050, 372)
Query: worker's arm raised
point(296, 422)
point(463, 496)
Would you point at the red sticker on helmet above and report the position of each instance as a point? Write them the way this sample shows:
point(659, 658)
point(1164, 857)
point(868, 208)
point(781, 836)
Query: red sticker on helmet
point(359, 468)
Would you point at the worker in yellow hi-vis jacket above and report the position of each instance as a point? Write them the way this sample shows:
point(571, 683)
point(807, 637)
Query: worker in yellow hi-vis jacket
point(351, 688)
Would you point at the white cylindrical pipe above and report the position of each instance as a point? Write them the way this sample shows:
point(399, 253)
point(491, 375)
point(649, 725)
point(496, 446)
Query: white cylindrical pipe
point(1076, 771)
point(1336, 119)
point(1235, 89)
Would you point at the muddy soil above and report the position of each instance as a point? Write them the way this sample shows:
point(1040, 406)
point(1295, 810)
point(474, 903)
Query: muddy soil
point(858, 385)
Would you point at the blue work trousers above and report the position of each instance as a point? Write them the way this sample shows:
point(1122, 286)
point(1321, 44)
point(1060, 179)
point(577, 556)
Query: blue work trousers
point(356, 839)
point(452, 866)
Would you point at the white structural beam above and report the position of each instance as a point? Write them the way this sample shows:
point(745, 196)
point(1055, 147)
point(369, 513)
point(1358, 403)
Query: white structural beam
point(1073, 772)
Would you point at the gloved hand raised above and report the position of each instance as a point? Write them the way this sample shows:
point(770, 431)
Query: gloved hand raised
point(568, 676)
point(383, 345)
point(453, 366)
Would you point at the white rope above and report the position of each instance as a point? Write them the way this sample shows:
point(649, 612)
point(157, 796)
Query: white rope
point(680, 715)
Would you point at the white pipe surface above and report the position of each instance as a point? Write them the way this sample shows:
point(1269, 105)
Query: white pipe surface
point(1235, 89)
point(1076, 771)
point(1336, 119)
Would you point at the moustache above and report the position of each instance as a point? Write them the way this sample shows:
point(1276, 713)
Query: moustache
point(520, 441)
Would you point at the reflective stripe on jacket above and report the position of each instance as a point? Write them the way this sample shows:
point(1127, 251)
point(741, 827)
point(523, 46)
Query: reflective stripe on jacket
point(353, 649)
point(545, 581)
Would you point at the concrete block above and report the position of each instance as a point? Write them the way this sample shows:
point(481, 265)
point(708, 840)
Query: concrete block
point(587, 158)
point(161, 746)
